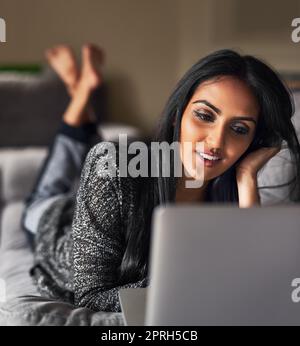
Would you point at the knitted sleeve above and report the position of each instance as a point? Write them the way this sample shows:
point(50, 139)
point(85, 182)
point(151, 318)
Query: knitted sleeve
point(97, 229)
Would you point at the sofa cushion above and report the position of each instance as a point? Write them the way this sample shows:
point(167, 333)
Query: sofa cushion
point(275, 180)
point(296, 117)
point(15, 256)
point(19, 168)
point(37, 311)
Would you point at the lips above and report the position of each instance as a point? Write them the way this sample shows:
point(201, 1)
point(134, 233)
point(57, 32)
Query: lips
point(210, 154)
point(207, 162)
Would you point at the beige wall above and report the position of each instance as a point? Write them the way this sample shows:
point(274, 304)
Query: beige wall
point(257, 27)
point(149, 44)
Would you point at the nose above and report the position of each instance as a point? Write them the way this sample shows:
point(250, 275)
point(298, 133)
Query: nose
point(216, 138)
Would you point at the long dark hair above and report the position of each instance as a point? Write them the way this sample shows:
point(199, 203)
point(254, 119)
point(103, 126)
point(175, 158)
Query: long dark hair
point(274, 125)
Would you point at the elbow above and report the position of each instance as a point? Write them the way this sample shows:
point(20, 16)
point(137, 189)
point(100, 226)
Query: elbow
point(98, 301)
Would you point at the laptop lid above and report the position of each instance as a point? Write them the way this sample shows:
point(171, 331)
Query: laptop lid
point(222, 265)
point(133, 305)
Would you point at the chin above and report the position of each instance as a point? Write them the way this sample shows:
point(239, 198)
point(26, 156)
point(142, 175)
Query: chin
point(209, 177)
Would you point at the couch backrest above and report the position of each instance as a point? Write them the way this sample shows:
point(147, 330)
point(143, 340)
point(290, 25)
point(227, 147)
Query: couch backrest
point(18, 171)
point(31, 107)
point(276, 177)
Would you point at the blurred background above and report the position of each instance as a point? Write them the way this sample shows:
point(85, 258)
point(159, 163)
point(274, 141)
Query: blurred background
point(148, 45)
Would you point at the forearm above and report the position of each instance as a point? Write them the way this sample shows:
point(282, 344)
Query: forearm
point(247, 190)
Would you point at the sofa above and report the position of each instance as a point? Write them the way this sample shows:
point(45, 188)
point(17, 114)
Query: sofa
point(20, 303)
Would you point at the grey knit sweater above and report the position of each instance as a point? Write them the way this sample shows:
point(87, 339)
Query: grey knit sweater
point(79, 246)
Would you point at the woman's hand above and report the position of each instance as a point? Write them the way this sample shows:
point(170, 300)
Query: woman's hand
point(253, 162)
point(246, 175)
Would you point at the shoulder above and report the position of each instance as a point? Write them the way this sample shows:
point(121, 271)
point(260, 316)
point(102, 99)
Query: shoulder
point(101, 156)
point(101, 176)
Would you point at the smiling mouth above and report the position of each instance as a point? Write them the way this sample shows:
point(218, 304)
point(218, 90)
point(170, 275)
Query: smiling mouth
point(209, 160)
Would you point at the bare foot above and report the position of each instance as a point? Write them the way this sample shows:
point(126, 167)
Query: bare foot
point(92, 62)
point(79, 111)
point(62, 60)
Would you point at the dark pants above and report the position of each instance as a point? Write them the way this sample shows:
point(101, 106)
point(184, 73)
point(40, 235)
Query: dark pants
point(60, 172)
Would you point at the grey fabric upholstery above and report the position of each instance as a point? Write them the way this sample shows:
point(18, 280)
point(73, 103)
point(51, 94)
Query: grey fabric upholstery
point(37, 311)
point(275, 176)
point(18, 169)
point(274, 180)
point(15, 256)
point(31, 106)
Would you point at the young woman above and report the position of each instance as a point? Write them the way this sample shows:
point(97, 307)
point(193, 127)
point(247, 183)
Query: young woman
point(235, 105)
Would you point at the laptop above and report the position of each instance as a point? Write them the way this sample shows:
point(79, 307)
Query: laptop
point(220, 265)
point(133, 305)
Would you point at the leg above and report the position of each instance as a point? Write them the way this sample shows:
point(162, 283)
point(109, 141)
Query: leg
point(57, 176)
point(62, 59)
point(67, 154)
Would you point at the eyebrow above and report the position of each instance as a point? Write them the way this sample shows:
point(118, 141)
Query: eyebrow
point(218, 111)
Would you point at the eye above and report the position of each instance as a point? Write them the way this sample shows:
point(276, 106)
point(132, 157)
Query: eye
point(204, 116)
point(240, 130)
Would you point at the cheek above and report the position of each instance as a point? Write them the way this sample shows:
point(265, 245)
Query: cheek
point(191, 131)
point(236, 149)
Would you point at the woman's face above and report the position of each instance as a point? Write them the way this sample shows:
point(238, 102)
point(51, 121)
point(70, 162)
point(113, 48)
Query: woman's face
point(222, 114)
